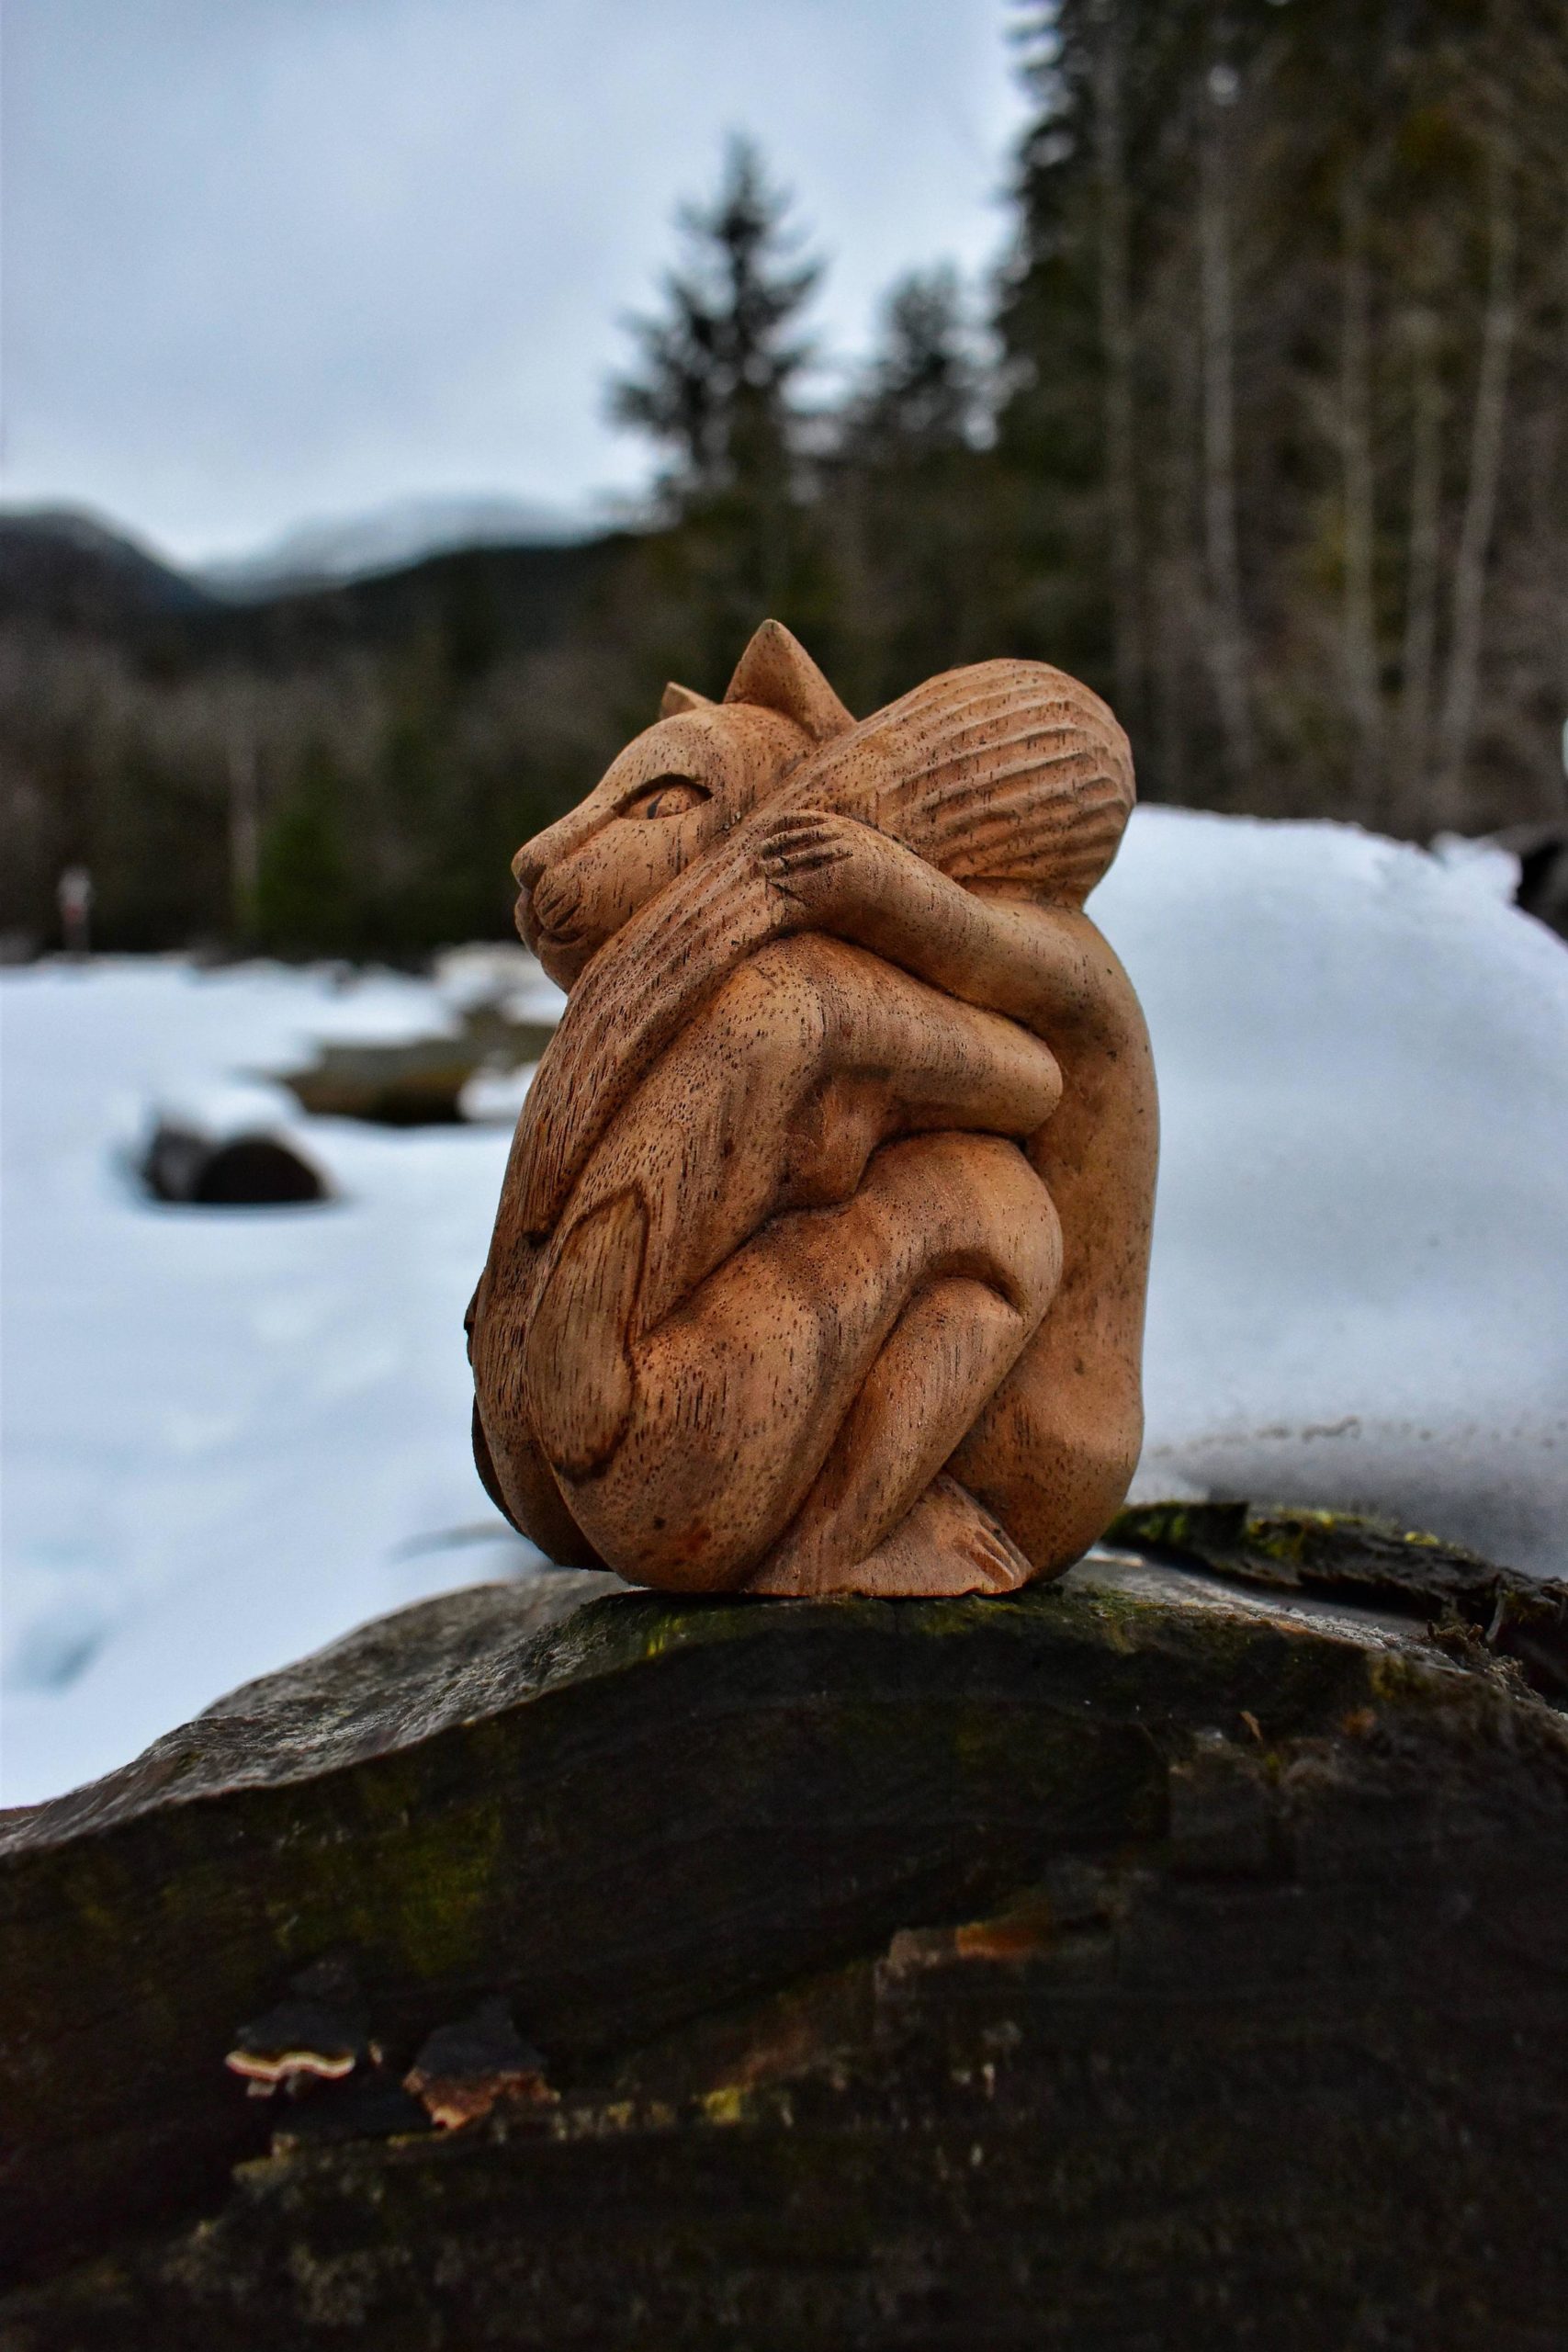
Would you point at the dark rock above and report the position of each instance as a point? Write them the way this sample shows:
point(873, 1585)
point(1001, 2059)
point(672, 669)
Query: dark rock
point(1137, 1963)
point(416, 1083)
point(228, 1171)
point(1543, 851)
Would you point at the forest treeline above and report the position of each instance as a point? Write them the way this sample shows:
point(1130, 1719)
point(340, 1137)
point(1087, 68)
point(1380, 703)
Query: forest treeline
point(1262, 429)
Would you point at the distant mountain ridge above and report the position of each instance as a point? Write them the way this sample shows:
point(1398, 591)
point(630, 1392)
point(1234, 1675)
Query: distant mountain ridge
point(354, 547)
point(388, 738)
point(73, 570)
point(74, 573)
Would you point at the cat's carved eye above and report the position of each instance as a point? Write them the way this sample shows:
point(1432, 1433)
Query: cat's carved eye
point(667, 795)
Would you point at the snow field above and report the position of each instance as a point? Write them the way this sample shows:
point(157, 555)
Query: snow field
point(230, 1435)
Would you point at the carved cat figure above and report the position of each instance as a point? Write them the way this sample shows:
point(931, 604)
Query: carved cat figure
point(822, 1249)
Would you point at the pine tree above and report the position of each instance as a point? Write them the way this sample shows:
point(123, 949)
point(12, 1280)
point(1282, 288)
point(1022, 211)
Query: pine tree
point(307, 902)
point(717, 390)
point(913, 518)
point(1282, 321)
point(716, 386)
point(922, 396)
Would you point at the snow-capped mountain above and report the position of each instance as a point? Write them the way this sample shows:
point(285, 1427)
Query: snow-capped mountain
point(349, 546)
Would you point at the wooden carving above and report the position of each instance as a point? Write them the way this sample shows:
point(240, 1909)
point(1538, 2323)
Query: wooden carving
point(820, 1259)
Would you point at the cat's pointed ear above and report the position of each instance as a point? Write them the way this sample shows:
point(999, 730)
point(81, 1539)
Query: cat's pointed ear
point(776, 671)
point(675, 699)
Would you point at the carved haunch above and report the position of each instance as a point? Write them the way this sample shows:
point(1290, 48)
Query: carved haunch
point(821, 1254)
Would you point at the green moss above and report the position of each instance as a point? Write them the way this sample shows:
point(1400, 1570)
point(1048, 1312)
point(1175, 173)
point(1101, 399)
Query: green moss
point(1292, 1534)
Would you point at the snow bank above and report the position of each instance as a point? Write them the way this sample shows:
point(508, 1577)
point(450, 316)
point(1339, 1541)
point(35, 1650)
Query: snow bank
point(230, 1435)
point(1360, 1270)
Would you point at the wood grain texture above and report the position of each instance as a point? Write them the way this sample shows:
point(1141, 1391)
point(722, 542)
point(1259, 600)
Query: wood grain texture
point(1227, 1925)
point(821, 1254)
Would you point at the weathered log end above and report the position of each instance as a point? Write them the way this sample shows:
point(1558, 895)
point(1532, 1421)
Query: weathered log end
point(193, 1170)
point(1156, 1959)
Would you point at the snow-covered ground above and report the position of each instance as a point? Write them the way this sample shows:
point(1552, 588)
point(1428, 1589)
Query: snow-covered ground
point(230, 1435)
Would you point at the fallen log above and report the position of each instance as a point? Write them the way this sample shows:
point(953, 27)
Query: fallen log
point(1143, 1961)
point(416, 1082)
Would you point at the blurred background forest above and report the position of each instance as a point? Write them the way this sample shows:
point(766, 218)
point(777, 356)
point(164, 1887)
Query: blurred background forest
point(1262, 429)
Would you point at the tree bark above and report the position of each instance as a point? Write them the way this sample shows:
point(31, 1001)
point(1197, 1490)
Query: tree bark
point(1228, 652)
point(1457, 716)
point(1113, 257)
point(1170, 1955)
point(1421, 569)
point(1178, 570)
point(1359, 604)
point(1557, 590)
point(245, 812)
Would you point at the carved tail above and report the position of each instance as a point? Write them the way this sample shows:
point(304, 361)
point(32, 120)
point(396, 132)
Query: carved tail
point(1008, 770)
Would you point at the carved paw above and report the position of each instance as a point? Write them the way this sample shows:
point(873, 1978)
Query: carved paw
point(998, 1560)
point(808, 856)
point(947, 1545)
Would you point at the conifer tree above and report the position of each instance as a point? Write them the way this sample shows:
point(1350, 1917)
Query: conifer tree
point(911, 509)
point(718, 388)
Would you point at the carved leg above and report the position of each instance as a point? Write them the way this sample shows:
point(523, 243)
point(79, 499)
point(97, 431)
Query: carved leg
point(900, 1312)
point(873, 1520)
point(684, 1452)
point(773, 1098)
point(1053, 1452)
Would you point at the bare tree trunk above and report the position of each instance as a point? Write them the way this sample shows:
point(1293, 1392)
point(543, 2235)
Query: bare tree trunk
point(1562, 564)
point(1227, 633)
point(1178, 567)
point(1114, 269)
point(1457, 718)
point(1358, 606)
point(244, 819)
point(1420, 644)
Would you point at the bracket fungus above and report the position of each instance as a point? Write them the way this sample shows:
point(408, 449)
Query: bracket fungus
point(464, 2070)
point(320, 2033)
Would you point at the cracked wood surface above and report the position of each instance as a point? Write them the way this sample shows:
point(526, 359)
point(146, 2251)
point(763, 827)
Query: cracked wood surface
point(1251, 1900)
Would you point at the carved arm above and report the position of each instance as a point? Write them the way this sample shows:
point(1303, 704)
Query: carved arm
point(1045, 966)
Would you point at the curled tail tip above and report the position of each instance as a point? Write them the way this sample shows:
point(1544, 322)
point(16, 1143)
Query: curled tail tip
point(576, 1358)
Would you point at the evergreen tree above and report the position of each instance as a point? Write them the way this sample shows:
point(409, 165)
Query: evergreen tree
point(716, 386)
point(921, 399)
point(717, 389)
point(1274, 452)
point(913, 515)
point(1287, 291)
point(306, 901)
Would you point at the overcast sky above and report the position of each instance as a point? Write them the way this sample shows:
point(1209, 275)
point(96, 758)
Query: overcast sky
point(269, 260)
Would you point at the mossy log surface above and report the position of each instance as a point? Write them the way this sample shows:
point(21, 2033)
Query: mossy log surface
point(414, 1081)
point(1175, 1955)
